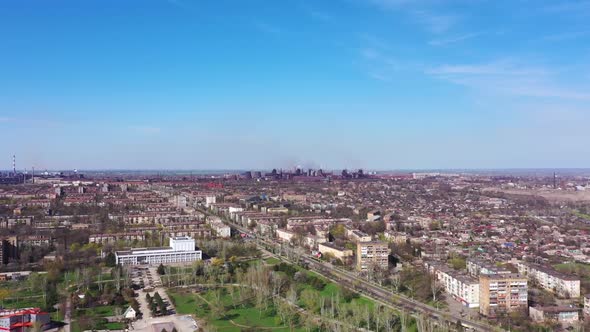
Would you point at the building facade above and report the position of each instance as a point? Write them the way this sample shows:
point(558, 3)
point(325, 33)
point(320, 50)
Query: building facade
point(566, 316)
point(372, 253)
point(19, 320)
point(338, 252)
point(502, 293)
point(556, 282)
point(462, 288)
point(182, 249)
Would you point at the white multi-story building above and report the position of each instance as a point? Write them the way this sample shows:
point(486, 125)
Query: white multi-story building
point(17, 320)
point(462, 288)
point(221, 229)
point(502, 293)
point(182, 249)
point(284, 235)
point(587, 305)
point(561, 284)
point(210, 200)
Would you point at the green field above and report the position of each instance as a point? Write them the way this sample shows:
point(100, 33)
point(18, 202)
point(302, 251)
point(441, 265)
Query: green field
point(581, 215)
point(272, 261)
point(236, 317)
point(577, 268)
point(18, 294)
point(98, 315)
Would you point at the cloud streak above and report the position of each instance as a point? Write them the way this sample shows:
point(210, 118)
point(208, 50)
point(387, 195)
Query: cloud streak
point(421, 12)
point(452, 40)
point(509, 78)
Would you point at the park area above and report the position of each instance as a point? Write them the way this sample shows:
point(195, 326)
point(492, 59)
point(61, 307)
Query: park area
point(274, 296)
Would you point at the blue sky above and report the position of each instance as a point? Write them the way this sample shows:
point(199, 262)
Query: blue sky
point(378, 84)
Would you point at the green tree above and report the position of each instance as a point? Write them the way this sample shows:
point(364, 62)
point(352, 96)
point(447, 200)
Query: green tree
point(110, 260)
point(161, 269)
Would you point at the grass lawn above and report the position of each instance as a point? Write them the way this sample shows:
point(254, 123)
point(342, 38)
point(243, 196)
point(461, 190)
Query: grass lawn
point(184, 303)
point(272, 261)
point(581, 215)
point(75, 327)
point(573, 267)
point(235, 317)
point(15, 303)
point(102, 311)
point(114, 326)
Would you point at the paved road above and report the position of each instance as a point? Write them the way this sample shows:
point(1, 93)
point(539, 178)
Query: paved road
point(68, 315)
point(372, 290)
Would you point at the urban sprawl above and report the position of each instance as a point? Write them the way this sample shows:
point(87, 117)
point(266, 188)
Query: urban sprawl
point(297, 250)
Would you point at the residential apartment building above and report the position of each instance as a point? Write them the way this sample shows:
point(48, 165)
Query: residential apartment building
point(462, 288)
point(502, 293)
point(221, 229)
point(373, 253)
point(8, 249)
point(559, 283)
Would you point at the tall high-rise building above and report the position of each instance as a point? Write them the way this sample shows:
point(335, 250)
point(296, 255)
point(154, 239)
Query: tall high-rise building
point(8, 249)
point(502, 293)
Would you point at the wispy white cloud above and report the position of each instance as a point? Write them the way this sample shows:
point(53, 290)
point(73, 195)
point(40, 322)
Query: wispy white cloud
point(435, 23)
point(423, 12)
point(378, 64)
point(496, 68)
point(452, 40)
point(510, 78)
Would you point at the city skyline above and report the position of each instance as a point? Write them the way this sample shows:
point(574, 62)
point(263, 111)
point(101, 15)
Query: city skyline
point(375, 84)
